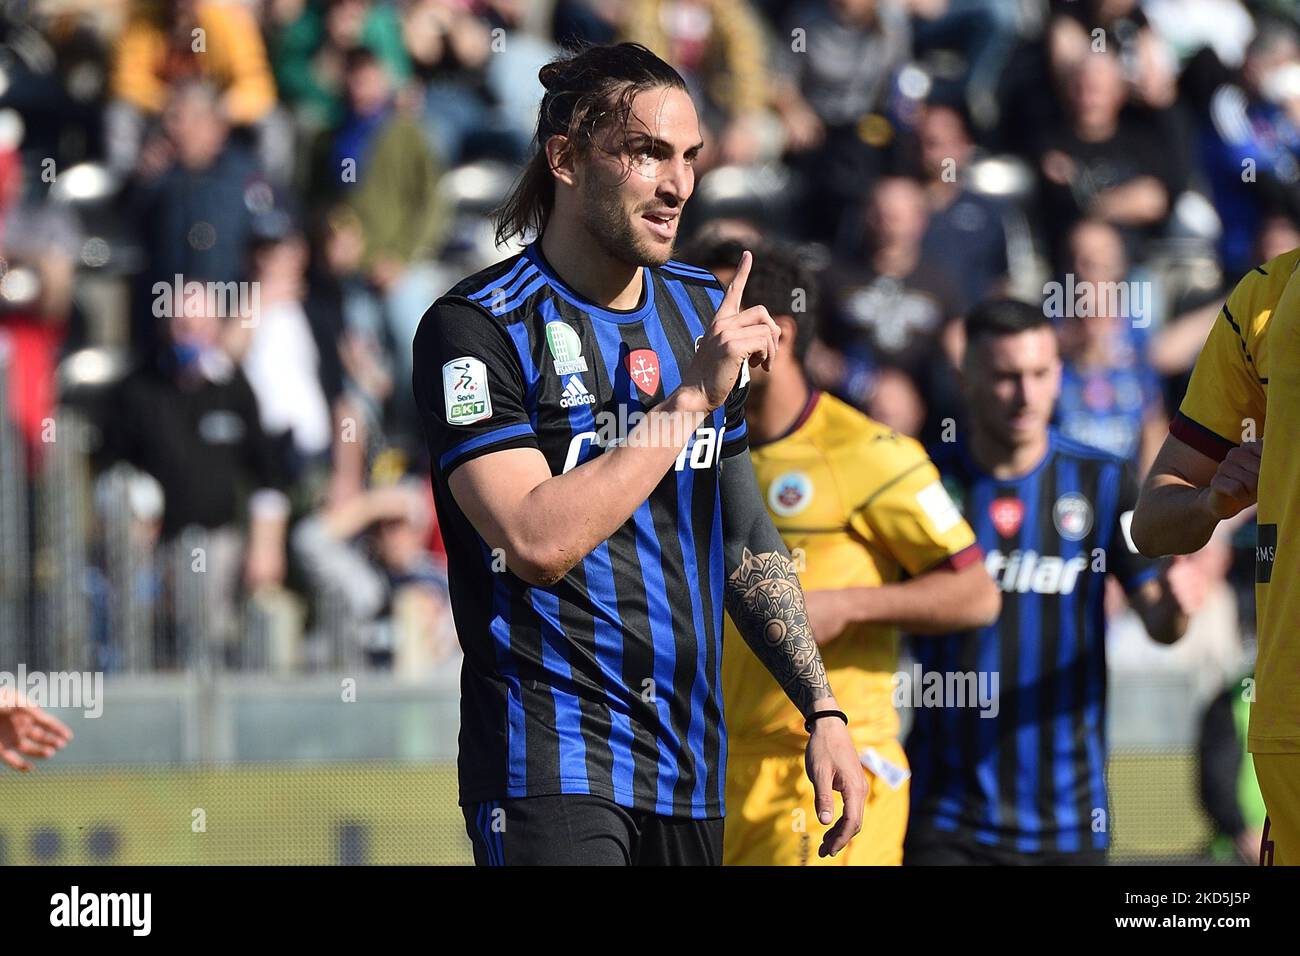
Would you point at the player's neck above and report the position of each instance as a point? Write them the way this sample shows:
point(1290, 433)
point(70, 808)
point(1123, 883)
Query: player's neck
point(773, 411)
point(1007, 461)
point(897, 259)
point(1097, 130)
point(1094, 353)
point(588, 269)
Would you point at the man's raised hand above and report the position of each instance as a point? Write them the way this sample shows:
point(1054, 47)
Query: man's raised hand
point(734, 337)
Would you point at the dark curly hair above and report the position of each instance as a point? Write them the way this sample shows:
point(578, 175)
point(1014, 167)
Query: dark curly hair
point(994, 318)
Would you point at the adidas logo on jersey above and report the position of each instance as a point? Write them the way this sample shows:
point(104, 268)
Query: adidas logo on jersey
point(575, 394)
point(1023, 572)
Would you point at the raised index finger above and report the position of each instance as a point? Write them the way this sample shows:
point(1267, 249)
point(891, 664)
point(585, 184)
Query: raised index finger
point(736, 290)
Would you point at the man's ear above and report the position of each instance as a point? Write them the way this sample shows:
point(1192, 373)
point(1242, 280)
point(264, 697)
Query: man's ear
point(965, 368)
point(560, 157)
point(1058, 372)
point(789, 331)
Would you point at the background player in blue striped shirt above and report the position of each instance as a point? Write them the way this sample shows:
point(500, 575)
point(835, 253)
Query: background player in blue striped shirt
point(584, 407)
point(1021, 780)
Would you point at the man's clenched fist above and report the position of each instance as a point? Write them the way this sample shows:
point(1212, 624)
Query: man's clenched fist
point(1236, 484)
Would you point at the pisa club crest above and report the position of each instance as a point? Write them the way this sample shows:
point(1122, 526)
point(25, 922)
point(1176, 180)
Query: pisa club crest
point(1007, 514)
point(643, 367)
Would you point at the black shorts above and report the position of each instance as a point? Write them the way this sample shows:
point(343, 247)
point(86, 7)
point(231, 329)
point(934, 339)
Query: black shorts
point(941, 849)
point(584, 830)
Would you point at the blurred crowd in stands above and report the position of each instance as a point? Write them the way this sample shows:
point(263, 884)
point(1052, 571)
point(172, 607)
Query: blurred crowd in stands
point(221, 221)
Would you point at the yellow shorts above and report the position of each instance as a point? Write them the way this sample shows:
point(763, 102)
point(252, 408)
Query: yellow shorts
point(1279, 785)
point(772, 820)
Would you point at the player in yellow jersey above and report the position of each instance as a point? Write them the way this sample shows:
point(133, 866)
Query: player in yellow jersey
point(877, 544)
point(1232, 445)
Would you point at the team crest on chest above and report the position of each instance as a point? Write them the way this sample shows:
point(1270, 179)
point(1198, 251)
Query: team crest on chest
point(1007, 514)
point(1072, 515)
point(643, 367)
point(790, 494)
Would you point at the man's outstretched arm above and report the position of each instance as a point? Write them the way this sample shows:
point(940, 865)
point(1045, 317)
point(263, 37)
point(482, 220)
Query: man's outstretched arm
point(765, 600)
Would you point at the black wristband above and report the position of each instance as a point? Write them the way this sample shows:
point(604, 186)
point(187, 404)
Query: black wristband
point(817, 715)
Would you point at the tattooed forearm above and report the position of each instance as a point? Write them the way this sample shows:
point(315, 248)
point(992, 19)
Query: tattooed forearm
point(766, 602)
point(763, 595)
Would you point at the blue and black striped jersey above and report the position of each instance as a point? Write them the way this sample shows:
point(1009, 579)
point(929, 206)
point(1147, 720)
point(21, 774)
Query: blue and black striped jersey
point(607, 682)
point(1028, 774)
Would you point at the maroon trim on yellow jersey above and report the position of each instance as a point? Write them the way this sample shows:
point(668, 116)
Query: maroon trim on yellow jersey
point(963, 558)
point(808, 406)
point(1193, 433)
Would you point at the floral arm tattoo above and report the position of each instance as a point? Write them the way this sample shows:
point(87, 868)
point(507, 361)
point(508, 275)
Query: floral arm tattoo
point(763, 595)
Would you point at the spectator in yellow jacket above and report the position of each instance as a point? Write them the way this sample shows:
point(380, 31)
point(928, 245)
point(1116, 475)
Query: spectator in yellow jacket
point(167, 42)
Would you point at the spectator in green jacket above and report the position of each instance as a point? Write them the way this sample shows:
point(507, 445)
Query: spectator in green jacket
point(380, 164)
point(308, 54)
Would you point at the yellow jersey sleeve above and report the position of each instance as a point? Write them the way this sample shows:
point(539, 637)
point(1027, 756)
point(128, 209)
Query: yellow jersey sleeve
point(1227, 386)
point(912, 516)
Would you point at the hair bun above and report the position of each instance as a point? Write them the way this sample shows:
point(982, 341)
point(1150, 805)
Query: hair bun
point(550, 75)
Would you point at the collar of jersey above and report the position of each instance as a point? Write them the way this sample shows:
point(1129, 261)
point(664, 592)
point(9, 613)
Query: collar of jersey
point(577, 300)
point(1014, 479)
point(808, 406)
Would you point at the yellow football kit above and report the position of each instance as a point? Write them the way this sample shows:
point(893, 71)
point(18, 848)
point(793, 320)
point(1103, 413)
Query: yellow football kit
point(858, 506)
point(1246, 385)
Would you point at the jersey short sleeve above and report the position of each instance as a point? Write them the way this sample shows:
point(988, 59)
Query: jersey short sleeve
point(1131, 568)
point(1225, 387)
point(914, 517)
point(469, 385)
